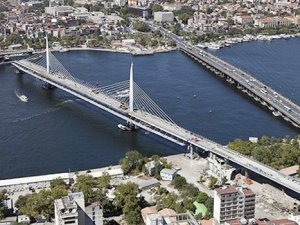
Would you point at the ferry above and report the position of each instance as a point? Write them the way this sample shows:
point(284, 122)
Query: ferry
point(23, 98)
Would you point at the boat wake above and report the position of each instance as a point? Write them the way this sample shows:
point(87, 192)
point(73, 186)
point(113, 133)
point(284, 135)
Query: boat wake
point(55, 108)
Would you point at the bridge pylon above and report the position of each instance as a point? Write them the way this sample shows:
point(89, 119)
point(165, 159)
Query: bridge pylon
point(131, 88)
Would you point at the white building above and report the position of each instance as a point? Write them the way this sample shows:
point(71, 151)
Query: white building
point(233, 203)
point(168, 174)
point(36, 182)
point(71, 210)
point(164, 16)
point(23, 219)
point(120, 2)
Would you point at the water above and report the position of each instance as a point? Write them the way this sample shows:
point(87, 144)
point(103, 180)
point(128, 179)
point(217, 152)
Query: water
point(55, 132)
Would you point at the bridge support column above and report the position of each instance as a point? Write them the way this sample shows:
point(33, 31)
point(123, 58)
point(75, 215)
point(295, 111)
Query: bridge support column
point(190, 149)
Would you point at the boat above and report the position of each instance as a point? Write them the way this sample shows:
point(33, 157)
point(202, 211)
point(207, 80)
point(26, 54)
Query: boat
point(63, 50)
point(214, 46)
point(276, 113)
point(23, 98)
point(122, 127)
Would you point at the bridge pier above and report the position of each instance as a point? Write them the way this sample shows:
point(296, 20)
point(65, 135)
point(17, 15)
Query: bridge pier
point(191, 152)
point(47, 86)
point(17, 71)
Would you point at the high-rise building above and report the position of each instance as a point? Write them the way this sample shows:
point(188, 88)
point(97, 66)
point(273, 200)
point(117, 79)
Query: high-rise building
point(233, 202)
point(71, 210)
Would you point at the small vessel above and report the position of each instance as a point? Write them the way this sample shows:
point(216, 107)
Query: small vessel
point(210, 111)
point(122, 127)
point(276, 113)
point(23, 98)
point(63, 50)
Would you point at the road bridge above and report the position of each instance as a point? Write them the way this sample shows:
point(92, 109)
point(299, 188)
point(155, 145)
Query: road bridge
point(127, 101)
point(279, 105)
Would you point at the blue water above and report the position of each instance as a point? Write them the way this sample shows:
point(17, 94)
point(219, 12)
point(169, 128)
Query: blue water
point(55, 132)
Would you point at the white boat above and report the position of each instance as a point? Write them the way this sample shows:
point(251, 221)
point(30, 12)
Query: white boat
point(276, 113)
point(63, 50)
point(23, 98)
point(214, 46)
point(122, 127)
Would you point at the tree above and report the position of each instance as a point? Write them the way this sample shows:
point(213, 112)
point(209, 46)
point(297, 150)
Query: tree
point(132, 212)
point(156, 8)
point(58, 182)
point(212, 182)
point(202, 197)
point(179, 182)
point(2, 209)
point(133, 161)
point(86, 183)
point(168, 201)
point(141, 26)
point(124, 192)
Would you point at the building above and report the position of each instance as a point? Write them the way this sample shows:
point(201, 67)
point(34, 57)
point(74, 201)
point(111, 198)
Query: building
point(168, 174)
point(93, 214)
point(290, 171)
point(244, 20)
point(164, 16)
point(144, 12)
point(233, 203)
point(120, 2)
point(219, 168)
point(71, 210)
point(261, 222)
point(272, 22)
point(166, 217)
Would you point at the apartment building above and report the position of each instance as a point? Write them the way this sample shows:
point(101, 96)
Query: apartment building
point(71, 210)
point(233, 202)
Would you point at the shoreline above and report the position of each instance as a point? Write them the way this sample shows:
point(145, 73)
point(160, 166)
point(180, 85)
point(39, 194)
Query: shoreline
point(150, 52)
point(230, 41)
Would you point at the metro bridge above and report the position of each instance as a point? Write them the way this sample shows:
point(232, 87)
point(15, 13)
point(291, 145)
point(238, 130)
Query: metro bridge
point(127, 101)
point(265, 95)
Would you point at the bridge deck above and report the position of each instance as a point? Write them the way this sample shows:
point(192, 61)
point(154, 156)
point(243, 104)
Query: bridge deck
point(289, 110)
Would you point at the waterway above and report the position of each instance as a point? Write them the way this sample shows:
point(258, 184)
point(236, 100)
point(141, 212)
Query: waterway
point(55, 132)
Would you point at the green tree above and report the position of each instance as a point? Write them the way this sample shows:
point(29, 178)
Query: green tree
point(58, 182)
point(2, 209)
point(156, 8)
point(202, 197)
point(86, 183)
point(124, 192)
point(132, 212)
point(141, 26)
point(212, 182)
point(133, 161)
point(179, 182)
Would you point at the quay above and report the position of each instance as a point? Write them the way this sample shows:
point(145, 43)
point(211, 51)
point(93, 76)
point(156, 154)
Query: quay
point(258, 91)
point(43, 181)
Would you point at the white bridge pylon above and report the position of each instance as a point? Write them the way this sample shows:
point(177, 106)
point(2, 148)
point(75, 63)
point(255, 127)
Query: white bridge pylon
point(131, 98)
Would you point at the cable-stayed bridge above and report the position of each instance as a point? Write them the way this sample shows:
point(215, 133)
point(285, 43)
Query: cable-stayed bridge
point(129, 102)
